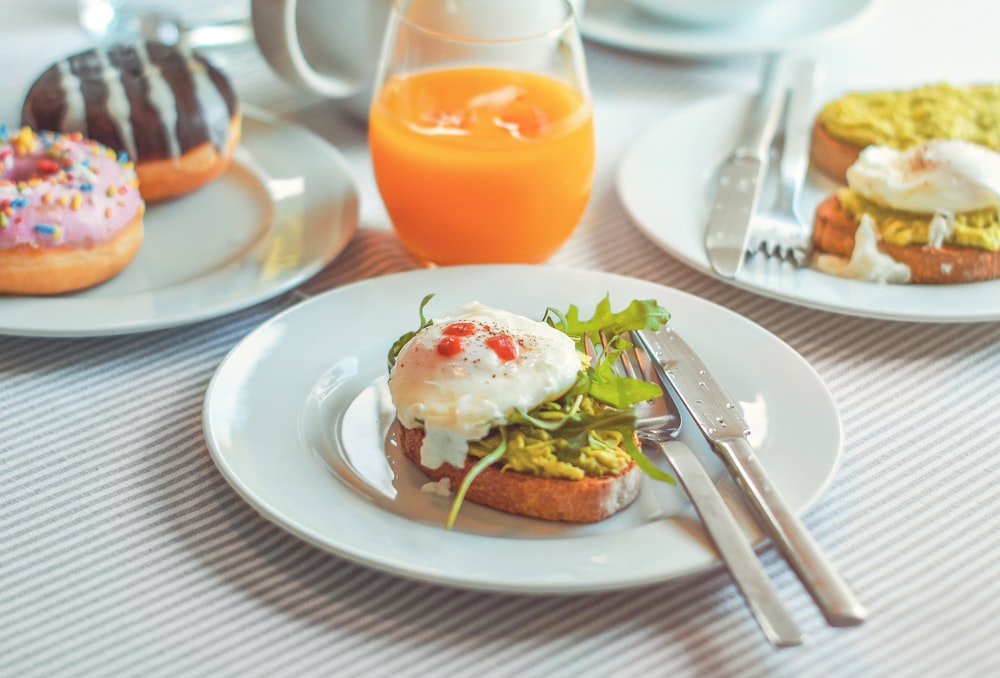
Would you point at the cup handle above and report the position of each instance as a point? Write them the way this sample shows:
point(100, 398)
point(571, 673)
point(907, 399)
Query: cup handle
point(277, 38)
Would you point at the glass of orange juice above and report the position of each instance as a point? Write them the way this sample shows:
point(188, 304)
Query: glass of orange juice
point(481, 129)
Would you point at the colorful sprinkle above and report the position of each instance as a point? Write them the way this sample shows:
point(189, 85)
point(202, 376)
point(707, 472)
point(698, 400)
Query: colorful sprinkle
point(77, 199)
point(47, 198)
point(48, 229)
point(63, 200)
point(3, 220)
point(86, 187)
point(111, 191)
point(25, 141)
point(107, 213)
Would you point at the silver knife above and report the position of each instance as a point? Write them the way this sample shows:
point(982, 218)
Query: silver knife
point(659, 424)
point(721, 421)
point(742, 174)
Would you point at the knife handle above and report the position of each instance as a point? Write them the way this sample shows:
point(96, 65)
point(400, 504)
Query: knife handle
point(767, 109)
point(834, 597)
point(733, 546)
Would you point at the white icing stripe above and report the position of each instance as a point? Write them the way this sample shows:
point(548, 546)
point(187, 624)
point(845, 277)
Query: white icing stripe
point(212, 103)
point(161, 97)
point(75, 117)
point(119, 108)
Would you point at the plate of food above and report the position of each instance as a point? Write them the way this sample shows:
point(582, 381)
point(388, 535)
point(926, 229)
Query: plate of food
point(304, 422)
point(284, 209)
point(675, 218)
point(779, 25)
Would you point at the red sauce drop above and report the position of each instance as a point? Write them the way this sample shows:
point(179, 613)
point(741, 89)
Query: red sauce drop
point(503, 345)
point(459, 329)
point(449, 346)
point(46, 166)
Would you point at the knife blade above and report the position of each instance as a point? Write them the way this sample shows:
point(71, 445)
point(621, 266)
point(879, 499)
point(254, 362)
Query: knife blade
point(721, 422)
point(742, 174)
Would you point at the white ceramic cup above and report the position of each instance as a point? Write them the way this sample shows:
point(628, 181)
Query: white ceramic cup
point(329, 47)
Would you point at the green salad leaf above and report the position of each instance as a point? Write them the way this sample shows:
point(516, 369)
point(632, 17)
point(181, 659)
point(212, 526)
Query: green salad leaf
point(604, 383)
point(398, 345)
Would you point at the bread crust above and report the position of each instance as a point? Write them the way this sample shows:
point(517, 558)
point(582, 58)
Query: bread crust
point(833, 233)
point(830, 155)
point(576, 501)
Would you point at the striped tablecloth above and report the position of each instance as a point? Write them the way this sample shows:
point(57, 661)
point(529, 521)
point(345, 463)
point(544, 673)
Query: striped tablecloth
point(123, 551)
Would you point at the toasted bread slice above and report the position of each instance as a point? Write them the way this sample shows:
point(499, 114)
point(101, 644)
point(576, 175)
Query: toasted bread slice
point(833, 233)
point(577, 501)
point(830, 155)
point(906, 118)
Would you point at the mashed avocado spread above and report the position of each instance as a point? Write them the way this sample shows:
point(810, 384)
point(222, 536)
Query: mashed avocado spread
point(902, 119)
point(980, 228)
point(551, 455)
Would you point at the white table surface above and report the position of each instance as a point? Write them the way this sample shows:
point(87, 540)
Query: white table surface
point(123, 551)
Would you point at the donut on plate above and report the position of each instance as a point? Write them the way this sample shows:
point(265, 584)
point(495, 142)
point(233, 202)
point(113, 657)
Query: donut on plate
point(70, 212)
point(173, 113)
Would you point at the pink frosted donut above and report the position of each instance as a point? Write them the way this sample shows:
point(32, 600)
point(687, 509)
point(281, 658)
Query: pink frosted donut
point(70, 212)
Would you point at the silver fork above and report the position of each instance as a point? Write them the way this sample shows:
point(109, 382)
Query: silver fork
point(778, 232)
point(659, 423)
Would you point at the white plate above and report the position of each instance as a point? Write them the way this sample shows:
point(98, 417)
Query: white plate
point(665, 182)
point(284, 209)
point(296, 421)
point(783, 26)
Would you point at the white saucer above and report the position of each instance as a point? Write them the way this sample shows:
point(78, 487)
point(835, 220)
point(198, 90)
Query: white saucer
point(297, 421)
point(665, 184)
point(284, 209)
point(783, 26)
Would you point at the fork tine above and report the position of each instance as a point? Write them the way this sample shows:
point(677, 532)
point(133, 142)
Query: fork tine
point(628, 361)
point(588, 347)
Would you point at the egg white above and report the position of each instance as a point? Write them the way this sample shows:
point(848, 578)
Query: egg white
point(943, 175)
point(459, 398)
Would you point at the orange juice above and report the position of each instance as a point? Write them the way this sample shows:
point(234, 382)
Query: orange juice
point(482, 164)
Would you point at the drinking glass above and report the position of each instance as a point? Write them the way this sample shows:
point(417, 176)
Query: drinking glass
point(481, 129)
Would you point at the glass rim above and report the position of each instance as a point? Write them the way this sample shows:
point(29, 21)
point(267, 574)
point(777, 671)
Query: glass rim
point(564, 25)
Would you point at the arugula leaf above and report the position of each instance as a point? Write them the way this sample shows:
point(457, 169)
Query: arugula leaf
point(398, 345)
point(471, 474)
point(638, 315)
point(605, 383)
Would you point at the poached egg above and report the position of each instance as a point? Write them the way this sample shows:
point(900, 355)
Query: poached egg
point(466, 372)
point(943, 175)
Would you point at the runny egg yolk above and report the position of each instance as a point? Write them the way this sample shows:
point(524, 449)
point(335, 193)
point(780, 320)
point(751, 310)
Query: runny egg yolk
point(465, 373)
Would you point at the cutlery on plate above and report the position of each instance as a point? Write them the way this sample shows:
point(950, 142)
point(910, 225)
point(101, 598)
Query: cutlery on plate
point(721, 421)
point(742, 174)
point(659, 424)
point(778, 232)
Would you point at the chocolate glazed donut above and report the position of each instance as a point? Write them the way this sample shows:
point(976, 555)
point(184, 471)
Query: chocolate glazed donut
point(170, 111)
